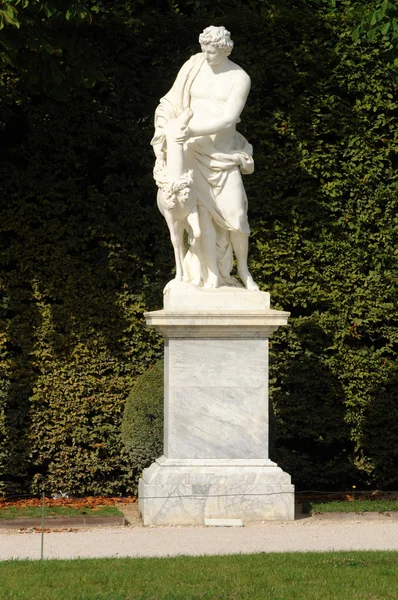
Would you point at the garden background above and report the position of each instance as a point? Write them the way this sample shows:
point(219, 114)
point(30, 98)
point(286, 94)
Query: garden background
point(84, 252)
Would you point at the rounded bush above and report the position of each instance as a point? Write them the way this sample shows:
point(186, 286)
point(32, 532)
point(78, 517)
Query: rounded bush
point(142, 425)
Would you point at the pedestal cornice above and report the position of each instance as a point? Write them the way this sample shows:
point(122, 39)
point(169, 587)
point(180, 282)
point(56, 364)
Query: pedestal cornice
point(216, 323)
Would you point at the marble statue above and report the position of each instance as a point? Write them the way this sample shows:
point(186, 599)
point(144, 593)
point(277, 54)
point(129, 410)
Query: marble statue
point(200, 158)
point(215, 462)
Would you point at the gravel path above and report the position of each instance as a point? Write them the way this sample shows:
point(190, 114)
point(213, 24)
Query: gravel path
point(308, 534)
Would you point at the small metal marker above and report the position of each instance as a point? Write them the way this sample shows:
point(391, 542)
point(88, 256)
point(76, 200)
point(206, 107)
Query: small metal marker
point(223, 522)
point(43, 500)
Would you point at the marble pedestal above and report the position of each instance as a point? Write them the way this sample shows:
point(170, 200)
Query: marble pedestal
point(215, 462)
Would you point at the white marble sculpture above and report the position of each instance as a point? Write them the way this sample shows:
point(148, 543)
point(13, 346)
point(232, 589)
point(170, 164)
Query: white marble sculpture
point(199, 161)
point(216, 436)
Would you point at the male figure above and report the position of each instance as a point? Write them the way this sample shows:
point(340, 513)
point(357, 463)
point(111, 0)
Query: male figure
point(215, 89)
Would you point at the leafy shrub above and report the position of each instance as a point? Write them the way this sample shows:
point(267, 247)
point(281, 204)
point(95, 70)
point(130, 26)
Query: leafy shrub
point(142, 425)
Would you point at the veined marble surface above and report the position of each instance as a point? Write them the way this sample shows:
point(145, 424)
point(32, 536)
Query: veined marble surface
point(216, 462)
point(189, 494)
point(216, 408)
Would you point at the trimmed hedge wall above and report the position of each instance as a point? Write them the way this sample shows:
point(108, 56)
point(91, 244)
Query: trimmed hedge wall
point(84, 251)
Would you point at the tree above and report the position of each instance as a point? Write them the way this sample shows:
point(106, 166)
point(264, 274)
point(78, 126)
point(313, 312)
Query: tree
point(379, 24)
point(38, 39)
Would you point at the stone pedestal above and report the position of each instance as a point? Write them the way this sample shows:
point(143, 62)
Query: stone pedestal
point(215, 462)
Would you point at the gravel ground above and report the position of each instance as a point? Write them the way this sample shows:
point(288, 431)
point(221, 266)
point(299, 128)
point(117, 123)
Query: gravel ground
point(311, 534)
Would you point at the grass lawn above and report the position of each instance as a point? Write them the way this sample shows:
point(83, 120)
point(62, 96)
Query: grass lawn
point(14, 512)
point(292, 576)
point(355, 506)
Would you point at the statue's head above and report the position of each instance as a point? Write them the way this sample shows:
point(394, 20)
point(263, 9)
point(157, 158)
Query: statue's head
point(217, 38)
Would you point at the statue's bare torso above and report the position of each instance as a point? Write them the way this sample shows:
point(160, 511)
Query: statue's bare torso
point(212, 92)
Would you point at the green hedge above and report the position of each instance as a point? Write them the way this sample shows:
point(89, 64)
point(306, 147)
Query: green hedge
point(142, 425)
point(84, 251)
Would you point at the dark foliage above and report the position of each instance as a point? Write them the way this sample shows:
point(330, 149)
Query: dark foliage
point(84, 252)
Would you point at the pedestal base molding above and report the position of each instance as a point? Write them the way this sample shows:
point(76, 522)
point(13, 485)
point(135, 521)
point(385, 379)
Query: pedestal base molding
point(184, 492)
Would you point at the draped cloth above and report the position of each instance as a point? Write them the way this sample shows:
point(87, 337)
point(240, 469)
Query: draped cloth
point(216, 173)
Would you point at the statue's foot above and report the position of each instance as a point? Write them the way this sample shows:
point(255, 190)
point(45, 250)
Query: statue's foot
point(232, 281)
point(212, 281)
point(249, 282)
point(196, 281)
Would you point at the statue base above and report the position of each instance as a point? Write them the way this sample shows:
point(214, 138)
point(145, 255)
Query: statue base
point(215, 462)
point(186, 492)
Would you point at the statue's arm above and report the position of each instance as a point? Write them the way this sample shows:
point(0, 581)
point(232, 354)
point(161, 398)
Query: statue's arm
point(233, 108)
point(171, 104)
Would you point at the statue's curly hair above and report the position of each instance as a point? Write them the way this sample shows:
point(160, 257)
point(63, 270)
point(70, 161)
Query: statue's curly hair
point(217, 36)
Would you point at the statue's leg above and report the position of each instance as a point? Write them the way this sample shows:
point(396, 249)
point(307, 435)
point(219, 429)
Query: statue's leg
point(232, 202)
point(193, 221)
point(240, 245)
point(176, 229)
point(208, 248)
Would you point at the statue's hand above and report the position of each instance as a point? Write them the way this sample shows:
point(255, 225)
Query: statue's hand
point(179, 133)
point(184, 135)
point(237, 158)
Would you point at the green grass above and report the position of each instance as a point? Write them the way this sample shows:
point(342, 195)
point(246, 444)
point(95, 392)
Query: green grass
point(295, 576)
point(351, 507)
point(58, 511)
